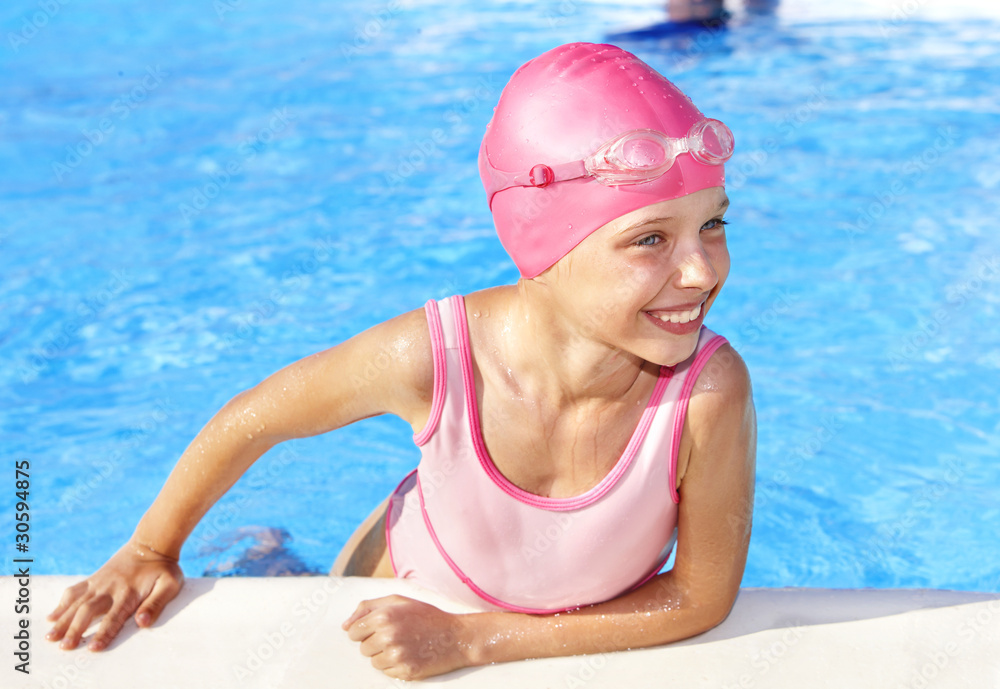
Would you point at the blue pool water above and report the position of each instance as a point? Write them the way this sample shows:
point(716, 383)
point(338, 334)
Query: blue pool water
point(194, 195)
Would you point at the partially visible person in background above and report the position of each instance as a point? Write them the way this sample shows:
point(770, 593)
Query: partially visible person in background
point(707, 10)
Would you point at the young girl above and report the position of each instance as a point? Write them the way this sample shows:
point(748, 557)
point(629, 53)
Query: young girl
point(572, 426)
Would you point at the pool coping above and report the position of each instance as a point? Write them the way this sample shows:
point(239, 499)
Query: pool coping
point(285, 632)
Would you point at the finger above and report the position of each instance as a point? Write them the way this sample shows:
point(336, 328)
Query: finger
point(58, 630)
point(112, 623)
point(82, 619)
point(165, 589)
point(70, 595)
point(364, 607)
point(362, 629)
point(374, 646)
point(380, 661)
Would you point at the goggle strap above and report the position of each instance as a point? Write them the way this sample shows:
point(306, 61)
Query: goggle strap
point(539, 176)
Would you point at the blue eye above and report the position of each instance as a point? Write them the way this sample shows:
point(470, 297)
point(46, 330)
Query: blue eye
point(714, 224)
point(645, 241)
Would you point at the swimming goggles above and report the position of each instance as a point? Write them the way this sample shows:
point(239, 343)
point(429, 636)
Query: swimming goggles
point(640, 155)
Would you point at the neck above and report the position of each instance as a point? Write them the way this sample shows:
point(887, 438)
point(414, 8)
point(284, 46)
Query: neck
point(567, 365)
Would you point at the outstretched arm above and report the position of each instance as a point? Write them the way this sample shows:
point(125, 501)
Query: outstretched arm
point(411, 640)
point(317, 394)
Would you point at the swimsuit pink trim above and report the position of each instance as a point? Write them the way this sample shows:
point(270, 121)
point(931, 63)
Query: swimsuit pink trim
point(388, 522)
point(682, 405)
point(440, 372)
point(557, 504)
point(656, 570)
point(465, 579)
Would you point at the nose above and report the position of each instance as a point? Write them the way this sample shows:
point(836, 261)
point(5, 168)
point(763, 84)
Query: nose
point(695, 270)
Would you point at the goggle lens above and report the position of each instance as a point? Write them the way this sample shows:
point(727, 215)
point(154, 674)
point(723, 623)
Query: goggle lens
point(711, 142)
point(642, 153)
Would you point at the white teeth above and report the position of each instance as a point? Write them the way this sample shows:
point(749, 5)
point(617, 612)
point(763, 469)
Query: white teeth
point(684, 317)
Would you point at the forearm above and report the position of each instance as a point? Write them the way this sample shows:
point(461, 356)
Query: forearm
point(657, 613)
point(221, 452)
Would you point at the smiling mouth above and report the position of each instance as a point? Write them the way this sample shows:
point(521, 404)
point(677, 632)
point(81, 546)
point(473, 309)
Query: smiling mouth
point(679, 317)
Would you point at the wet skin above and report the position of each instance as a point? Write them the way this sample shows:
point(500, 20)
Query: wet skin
point(586, 339)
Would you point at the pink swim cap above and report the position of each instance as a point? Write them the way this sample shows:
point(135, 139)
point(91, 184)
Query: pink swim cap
point(557, 111)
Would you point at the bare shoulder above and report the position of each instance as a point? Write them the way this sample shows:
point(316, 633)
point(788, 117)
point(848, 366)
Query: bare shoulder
point(401, 346)
point(722, 391)
point(488, 312)
point(397, 365)
point(720, 426)
point(491, 299)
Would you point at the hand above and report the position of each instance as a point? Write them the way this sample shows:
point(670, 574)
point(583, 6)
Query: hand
point(135, 577)
point(407, 639)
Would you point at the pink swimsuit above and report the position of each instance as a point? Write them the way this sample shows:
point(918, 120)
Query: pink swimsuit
point(457, 526)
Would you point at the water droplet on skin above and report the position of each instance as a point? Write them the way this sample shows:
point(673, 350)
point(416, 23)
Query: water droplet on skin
point(249, 436)
point(476, 314)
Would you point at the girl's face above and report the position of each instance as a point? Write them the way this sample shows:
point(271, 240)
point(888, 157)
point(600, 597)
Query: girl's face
point(644, 282)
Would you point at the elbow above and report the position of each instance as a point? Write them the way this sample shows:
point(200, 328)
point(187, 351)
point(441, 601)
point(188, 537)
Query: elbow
point(719, 615)
point(705, 607)
point(249, 418)
point(693, 612)
point(714, 612)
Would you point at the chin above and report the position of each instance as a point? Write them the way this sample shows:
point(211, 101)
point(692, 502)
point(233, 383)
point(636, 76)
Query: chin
point(672, 354)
